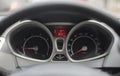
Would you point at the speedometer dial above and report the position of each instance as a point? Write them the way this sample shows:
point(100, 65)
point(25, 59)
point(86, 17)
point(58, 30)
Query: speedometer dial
point(87, 41)
point(82, 46)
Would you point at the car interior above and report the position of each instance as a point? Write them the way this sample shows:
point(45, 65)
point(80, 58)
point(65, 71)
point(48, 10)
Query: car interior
point(59, 39)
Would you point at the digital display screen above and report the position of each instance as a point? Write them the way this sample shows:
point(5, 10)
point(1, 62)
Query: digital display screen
point(60, 32)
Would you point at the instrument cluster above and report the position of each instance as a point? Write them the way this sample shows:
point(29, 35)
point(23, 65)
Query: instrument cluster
point(60, 41)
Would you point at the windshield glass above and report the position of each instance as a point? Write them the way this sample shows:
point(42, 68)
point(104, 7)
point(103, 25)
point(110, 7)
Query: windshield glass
point(112, 6)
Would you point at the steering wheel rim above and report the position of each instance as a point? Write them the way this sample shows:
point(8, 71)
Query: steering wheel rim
point(60, 69)
point(58, 6)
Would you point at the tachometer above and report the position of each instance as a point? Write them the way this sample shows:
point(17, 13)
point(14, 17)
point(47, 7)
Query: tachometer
point(32, 40)
point(36, 47)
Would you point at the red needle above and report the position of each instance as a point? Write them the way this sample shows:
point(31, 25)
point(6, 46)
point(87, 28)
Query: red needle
point(28, 48)
point(84, 48)
point(32, 48)
point(76, 52)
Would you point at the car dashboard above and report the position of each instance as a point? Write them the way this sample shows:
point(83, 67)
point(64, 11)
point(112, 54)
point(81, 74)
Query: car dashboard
point(55, 37)
point(59, 41)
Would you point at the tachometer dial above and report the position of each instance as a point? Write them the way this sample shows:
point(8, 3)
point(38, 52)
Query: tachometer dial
point(37, 47)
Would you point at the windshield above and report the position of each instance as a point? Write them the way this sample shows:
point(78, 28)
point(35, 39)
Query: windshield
point(112, 6)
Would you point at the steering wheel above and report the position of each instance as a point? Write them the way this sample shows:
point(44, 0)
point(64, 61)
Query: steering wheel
point(71, 7)
point(59, 69)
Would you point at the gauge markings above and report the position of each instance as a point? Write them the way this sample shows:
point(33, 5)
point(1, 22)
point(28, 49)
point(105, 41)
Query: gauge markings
point(82, 46)
point(37, 47)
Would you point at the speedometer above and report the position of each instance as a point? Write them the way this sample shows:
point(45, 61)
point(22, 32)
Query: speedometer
point(87, 41)
point(83, 45)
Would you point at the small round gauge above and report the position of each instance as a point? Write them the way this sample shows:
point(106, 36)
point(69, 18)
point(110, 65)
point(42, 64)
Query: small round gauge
point(37, 47)
point(82, 46)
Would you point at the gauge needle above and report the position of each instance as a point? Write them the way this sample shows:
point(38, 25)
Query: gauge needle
point(84, 48)
point(28, 48)
point(31, 48)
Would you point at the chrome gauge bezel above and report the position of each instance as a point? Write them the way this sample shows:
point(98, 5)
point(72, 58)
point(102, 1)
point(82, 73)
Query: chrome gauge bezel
point(22, 24)
point(100, 25)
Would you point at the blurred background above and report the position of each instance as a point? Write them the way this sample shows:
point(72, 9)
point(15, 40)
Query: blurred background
point(112, 6)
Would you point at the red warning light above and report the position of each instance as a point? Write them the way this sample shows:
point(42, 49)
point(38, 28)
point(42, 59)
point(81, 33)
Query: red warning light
point(59, 33)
